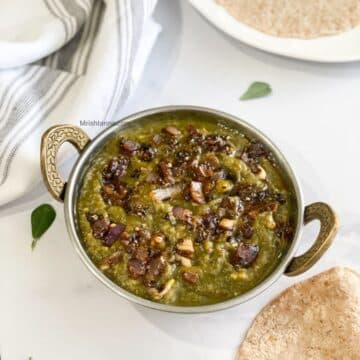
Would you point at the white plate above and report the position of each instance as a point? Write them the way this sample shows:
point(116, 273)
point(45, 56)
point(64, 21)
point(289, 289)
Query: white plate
point(344, 47)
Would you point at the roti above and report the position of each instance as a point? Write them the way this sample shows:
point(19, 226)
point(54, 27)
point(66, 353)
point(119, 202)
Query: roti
point(318, 318)
point(296, 18)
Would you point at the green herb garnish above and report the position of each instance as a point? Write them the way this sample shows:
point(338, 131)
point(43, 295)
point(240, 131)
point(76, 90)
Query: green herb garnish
point(41, 219)
point(256, 90)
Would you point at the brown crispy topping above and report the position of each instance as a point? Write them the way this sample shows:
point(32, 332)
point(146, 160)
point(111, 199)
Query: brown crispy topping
point(91, 218)
point(142, 234)
point(99, 225)
point(179, 171)
point(185, 246)
point(203, 170)
point(115, 194)
point(136, 268)
point(196, 136)
point(182, 214)
point(190, 276)
point(110, 195)
point(131, 246)
point(210, 221)
point(173, 131)
point(158, 240)
point(202, 234)
point(262, 207)
point(111, 260)
point(123, 190)
point(208, 186)
point(207, 170)
point(248, 193)
point(103, 230)
point(113, 234)
point(227, 224)
point(182, 157)
point(128, 147)
point(255, 150)
point(157, 139)
point(246, 230)
point(207, 227)
point(165, 171)
point(115, 169)
point(232, 205)
point(136, 207)
point(196, 192)
point(147, 152)
point(155, 268)
point(212, 160)
point(255, 200)
point(142, 253)
point(244, 255)
point(246, 226)
point(114, 191)
point(219, 174)
point(217, 143)
point(252, 155)
point(125, 238)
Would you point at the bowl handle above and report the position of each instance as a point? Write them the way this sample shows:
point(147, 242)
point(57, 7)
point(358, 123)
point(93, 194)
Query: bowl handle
point(51, 142)
point(328, 228)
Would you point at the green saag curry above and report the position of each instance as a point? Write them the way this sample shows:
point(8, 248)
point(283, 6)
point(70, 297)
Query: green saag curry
point(185, 211)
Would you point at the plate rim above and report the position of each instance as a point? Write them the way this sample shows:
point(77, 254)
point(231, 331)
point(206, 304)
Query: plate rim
point(197, 5)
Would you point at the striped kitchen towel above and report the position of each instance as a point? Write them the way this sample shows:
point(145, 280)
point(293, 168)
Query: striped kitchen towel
point(63, 61)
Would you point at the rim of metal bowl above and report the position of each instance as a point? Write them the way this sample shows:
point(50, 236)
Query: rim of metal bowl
point(101, 138)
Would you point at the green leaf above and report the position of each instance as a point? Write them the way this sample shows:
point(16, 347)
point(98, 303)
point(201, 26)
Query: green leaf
point(41, 219)
point(256, 90)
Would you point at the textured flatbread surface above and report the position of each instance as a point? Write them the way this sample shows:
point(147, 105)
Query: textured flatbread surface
point(296, 18)
point(318, 318)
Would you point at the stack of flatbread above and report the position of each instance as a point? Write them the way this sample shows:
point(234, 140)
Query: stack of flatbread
point(296, 18)
point(318, 318)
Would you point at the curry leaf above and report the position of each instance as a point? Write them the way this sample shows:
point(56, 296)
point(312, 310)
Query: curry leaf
point(41, 219)
point(256, 89)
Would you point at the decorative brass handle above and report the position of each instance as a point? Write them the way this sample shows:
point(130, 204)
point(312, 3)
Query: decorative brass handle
point(51, 141)
point(328, 228)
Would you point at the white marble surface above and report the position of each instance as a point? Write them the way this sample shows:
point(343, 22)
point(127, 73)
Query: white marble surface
point(52, 308)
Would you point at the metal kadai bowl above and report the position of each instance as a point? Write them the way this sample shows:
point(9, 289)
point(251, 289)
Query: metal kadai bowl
point(290, 264)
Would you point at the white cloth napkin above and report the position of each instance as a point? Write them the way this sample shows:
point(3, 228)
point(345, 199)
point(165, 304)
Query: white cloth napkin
point(63, 61)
